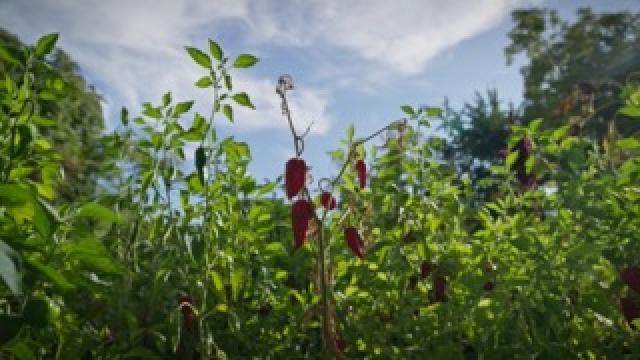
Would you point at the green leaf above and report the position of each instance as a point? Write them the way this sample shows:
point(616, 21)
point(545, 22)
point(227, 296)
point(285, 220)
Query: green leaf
point(245, 61)
point(529, 164)
point(182, 108)
point(201, 159)
point(228, 112)
point(8, 270)
point(97, 211)
point(151, 111)
point(166, 99)
point(243, 99)
point(534, 125)
point(216, 279)
point(433, 111)
point(630, 110)
point(46, 44)
point(204, 82)
point(8, 57)
point(408, 110)
point(23, 140)
point(124, 116)
point(227, 81)
point(199, 57)
point(93, 255)
point(628, 143)
point(511, 158)
point(215, 50)
point(57, 278)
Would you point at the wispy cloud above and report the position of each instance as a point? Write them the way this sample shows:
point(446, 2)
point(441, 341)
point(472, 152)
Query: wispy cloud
point(133, 50)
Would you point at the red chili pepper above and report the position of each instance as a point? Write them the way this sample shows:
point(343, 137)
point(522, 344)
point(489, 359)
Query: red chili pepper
point(440, 289)
point(301, 212)
point(295, 176)
point(631, 277)
point(354, 241)
point(340, 343)
point(425, 269)
point(629, 309)
point(186, 303)
point(327, 200)
point(361, 169)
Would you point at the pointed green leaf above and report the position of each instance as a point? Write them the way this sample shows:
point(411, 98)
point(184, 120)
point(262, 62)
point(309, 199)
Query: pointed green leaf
point(124, 116)
point(245, 61)
point(46, 44)
point(215, 50)
point(227, 81)
point(408, 110)
point(166, 99)
point(243, 99)
point(201, 159)
point(98, 212)
point(182, 108)
point(199, 57)
point(204, 82)
point(228, 112)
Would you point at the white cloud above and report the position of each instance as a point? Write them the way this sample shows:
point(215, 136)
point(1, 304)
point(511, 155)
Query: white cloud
point(400, 36)
point(134, 51)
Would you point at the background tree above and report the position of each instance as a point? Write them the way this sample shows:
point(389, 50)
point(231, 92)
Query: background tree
point(72, 123)
point(575, 68)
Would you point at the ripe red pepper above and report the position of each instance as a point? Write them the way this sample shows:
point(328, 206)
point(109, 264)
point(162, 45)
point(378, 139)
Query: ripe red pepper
point(631, 277)
point(425, 269)
point(361, 169)
point(629, 309)
point(354, 241)
point(327, 200)
point(440, 289)
point(185, 302)
point(340, 343)
point(301, 213)
point(295, 176)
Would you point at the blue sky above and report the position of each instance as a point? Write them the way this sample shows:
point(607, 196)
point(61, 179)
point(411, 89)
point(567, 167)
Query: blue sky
point(353, 62)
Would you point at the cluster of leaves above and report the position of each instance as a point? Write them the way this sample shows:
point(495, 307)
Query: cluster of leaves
point(175, 260)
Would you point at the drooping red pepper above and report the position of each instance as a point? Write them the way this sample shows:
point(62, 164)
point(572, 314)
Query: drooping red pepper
point(341, 344)
point(186, 307)
point(440, 289)
point(425, 269)
point(301, 212)
point(629, 309)
point(354, 241)
point(631, 277)
point(361, 169)
point(295, 176)
point(327, 200)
